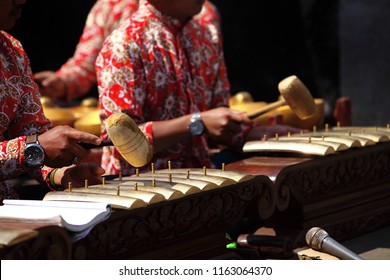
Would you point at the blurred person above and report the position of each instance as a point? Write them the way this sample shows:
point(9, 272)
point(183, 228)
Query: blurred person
point(28, 143)
point(77, 76)
point(165, 68)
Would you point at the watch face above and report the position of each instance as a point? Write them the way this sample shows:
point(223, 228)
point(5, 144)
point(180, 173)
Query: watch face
point(196, 128)
point(34, 155)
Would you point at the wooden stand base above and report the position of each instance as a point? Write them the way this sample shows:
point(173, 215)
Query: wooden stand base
point(347, 194)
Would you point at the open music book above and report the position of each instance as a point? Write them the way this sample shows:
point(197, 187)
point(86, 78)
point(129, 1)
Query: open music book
point(78, 218)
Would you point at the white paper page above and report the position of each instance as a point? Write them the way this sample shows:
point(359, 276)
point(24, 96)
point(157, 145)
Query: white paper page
point(76, 215)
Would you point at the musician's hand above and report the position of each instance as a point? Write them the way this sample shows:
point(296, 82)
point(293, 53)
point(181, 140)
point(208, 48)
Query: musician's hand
point(51, 85)
point(61, 148)
point(77, 174)
point(223, 123)
point(259, 132)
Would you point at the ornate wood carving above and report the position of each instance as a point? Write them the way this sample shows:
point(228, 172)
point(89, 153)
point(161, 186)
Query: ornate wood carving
point(128, 234)
point(347, 193)
point(52, 243)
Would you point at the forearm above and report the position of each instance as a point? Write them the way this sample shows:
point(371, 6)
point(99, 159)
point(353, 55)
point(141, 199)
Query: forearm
point(168, 133)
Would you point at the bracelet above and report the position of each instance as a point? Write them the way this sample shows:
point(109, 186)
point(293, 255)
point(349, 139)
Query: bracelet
point(51, 180)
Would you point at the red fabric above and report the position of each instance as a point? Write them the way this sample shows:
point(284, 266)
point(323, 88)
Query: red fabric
point(154, 68)
point(105, 16)
point(21, 113)
point(79, 71)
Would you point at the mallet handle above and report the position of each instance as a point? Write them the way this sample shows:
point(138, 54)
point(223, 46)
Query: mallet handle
point(269, 107)
point(89, 146)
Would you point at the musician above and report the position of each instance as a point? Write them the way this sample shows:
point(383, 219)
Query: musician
point(28, 144)
point(165, 68)
point(77, 76)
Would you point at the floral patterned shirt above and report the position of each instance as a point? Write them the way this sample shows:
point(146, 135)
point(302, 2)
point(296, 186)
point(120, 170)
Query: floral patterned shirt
point(155, 68)
point(105, 16)
point(79, 71)
point(21, 114)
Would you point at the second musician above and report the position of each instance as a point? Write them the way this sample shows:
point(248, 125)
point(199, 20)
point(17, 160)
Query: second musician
point(165, 68)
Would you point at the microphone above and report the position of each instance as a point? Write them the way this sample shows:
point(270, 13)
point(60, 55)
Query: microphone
point(318, 239)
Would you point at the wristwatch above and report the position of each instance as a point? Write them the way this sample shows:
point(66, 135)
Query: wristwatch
point(34, 155)
point(196, 126)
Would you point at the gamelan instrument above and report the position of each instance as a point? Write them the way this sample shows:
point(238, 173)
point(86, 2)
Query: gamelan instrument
point(169, 213)
point(321, 143)
point(84, 117)
point(162, 214)
point(337, 178)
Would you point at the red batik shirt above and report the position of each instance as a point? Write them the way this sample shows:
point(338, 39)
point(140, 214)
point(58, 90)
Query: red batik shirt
point(105, 16)
point(79, 71)
point(155, 68)
point(21, 113)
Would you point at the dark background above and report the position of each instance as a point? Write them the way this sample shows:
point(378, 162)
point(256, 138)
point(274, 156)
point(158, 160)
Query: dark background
point(334, 46)
point(49, 30)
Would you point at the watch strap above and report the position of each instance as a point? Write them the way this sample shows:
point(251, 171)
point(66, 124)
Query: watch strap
point(31, 139)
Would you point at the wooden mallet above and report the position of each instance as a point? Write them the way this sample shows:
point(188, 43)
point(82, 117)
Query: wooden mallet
point(296, 95)
point(127, 138)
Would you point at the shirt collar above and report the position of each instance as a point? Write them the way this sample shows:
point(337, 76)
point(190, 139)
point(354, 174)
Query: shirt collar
point(172, 23)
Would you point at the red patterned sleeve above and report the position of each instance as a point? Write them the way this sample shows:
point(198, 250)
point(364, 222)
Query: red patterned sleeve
point(23, 113)
point(79, 71)
point(11, 158)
